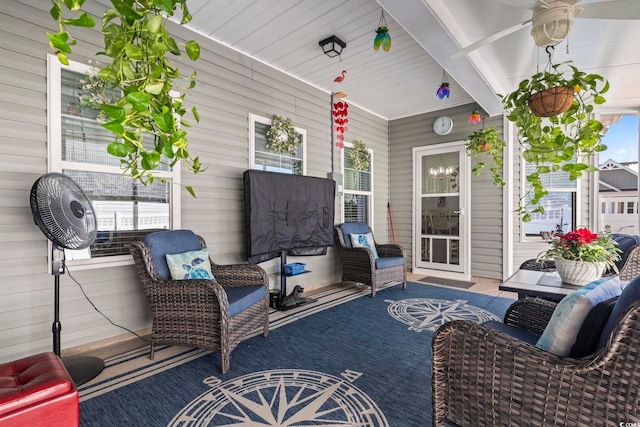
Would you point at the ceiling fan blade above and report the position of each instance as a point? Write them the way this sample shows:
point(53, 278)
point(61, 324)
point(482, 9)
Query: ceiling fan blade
point(490, 39)
point(620, 9)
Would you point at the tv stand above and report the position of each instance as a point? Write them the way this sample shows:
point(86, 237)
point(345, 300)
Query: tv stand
point(286, 302)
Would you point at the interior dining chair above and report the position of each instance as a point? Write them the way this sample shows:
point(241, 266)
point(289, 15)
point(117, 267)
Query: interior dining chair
point(195, 302)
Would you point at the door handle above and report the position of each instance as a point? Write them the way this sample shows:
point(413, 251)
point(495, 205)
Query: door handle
point(461, 212)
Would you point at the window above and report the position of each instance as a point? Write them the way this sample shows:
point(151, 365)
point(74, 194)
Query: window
point(262, 158)
point(559, 205)
point(125, 209)
point(358, 190)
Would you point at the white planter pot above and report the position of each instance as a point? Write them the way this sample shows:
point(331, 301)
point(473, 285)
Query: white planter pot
point(577, 272)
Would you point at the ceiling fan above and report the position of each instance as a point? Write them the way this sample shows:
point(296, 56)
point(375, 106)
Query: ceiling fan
point(552, 19)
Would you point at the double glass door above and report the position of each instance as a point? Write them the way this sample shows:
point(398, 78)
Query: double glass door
point(440, 222)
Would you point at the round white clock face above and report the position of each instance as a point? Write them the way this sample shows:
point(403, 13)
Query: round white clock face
point(442, 125)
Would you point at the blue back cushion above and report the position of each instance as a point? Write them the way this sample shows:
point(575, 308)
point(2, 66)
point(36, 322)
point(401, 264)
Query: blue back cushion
point(629, 295)
point(349, 228)
point(162, 243)
point(625, 243)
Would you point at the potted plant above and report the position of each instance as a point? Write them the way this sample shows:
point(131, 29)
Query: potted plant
point(138, 44)
point(559, 142)
point(582, 256)
point(483, 143)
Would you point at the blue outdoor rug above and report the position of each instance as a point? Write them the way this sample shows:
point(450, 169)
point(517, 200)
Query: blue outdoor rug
point(347, 360)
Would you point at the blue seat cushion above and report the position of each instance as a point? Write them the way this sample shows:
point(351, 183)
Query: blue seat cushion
point(512, 331)
point(162, 243)
point(349, 228)
point(386, 262)
point(629, 295)
point(242, 297)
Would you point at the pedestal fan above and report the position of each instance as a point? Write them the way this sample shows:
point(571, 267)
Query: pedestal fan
point(65, 215)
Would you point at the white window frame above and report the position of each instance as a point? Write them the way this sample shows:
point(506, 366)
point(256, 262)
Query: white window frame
point(56, 164)
point(523, 189)
point(253, 119)
point(346, 191)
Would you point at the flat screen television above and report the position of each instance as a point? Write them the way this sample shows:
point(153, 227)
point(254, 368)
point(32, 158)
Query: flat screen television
point(285, 212)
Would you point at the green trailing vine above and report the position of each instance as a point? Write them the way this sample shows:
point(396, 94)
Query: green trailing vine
point(138, 45)
point(486, 143)
point(282, 136)
point(360, 156)
point(563, 142)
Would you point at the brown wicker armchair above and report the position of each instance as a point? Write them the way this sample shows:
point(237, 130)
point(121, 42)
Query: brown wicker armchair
point(485, 377)
point(214, 315)
point(359, 263)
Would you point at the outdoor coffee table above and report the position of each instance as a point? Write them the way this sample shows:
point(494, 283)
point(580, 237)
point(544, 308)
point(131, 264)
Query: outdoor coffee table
point(531, 283)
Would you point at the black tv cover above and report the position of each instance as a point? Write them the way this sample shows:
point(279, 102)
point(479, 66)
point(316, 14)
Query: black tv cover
point(286, 212)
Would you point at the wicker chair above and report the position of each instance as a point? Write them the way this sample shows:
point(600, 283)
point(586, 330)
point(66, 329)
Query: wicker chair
point(214, 315)
point(484, 376)
point(359, 264)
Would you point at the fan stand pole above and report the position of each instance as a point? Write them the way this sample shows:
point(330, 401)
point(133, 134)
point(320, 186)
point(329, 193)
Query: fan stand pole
point(57, 326)
point(82, 369)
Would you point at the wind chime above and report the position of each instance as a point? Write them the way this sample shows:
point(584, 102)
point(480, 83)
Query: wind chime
point(340, 112)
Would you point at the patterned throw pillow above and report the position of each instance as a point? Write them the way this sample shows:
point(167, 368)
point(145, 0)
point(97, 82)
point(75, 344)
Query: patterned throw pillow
point(562, 330)
point(190, 265)
point(364, 241)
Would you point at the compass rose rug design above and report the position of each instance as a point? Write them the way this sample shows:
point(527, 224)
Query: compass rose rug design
point(347, 360)
point(428, 314)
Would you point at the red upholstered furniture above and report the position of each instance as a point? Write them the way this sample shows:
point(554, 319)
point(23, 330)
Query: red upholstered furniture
point(37, 391)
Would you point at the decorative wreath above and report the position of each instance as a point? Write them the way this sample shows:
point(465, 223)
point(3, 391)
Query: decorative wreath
point(360, 156)
point(282, 137)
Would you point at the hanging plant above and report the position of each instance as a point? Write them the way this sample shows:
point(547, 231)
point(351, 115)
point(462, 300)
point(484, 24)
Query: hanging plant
point(282, 137)
point(486, 143)
point(562, 142)
point(137, 43)
point(360, 156)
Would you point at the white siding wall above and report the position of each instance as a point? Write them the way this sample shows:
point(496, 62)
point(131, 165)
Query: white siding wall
point(230, 87)
point(486, 199)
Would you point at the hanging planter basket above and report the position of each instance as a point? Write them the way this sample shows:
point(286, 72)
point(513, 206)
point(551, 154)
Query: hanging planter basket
point(551, 102)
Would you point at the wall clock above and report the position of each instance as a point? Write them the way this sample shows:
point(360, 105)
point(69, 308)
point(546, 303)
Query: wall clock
point(442, 125)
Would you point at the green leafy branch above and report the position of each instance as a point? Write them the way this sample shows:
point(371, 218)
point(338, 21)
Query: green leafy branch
point(136, 40)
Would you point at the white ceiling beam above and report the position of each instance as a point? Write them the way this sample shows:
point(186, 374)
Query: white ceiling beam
point(420, 22)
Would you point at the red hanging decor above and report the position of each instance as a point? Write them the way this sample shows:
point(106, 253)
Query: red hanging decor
point(340, 112)
point(475, 117)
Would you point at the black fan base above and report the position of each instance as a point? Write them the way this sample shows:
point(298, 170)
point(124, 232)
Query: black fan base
point(83, 368)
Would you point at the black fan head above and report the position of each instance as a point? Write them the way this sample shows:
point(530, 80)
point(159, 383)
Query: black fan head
point(63, 211)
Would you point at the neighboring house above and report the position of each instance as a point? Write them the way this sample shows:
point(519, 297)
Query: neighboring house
point(236, 97)
point(618, 193)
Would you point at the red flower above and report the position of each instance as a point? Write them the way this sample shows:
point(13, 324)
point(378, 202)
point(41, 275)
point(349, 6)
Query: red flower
point(580, 236)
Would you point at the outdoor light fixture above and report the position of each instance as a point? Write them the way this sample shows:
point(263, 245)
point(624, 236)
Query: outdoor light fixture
point(332, 46)
point(551, 26)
